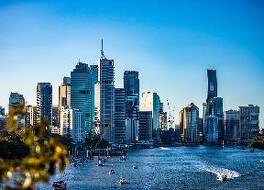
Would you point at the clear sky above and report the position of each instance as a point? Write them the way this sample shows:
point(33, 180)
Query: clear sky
point(170, 43)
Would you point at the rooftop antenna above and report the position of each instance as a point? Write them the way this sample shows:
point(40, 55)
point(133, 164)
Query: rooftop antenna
point(102, 48)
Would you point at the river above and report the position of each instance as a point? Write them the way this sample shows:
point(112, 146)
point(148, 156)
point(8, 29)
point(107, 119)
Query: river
point(172, 168)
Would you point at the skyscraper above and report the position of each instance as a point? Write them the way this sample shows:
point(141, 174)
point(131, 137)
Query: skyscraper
point(82, 93)
point(212, 123)
point(107, 105)
point(189, 117)
point(65, 93)
point(44, 102)
point(231, 123)
point(72, 123)
point(151, 102)
point(131, 85)
point(212, 84)
point(249, 122)
point(213, 107)
point(120, 115)
point(145, 126)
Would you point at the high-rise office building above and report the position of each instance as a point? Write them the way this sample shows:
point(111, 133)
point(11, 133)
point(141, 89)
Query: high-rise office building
point(217, 110)
point(145, 126)
point(120, 115)
point(231, 123)
point(212, 123)
point(44, 102)
point(189, 121)
point(83, 79)
point(212, 84)
point(131, 85)
point(249, 122)
point(16, 100)
point(213, 107)
point(65, 93)
point(151, 102)
point(107, 104)
point(72, 124)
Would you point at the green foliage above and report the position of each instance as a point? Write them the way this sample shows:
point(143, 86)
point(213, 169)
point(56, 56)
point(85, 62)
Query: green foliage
point(28, 155)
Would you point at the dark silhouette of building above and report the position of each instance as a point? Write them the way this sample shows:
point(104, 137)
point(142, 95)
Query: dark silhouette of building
point(212, 85)
point(44, 102)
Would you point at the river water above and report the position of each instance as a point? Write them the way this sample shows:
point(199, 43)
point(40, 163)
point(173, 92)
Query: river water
point(172, 168)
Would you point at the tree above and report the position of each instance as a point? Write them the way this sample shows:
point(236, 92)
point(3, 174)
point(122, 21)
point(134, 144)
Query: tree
point(28, 155)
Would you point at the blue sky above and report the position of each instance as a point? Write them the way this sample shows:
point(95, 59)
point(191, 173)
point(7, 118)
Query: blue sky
point(170, 43)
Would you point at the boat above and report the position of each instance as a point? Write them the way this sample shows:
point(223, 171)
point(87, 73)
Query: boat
point(99, 163)
point(59, 185)
point(135, 167)
point(123, 157)
point(122, 181)
point(111, 172)
point(222, 177)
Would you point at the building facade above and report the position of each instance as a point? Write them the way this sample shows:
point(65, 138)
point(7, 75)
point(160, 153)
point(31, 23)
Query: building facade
point(44, 102)
point(83, 79)
point(151, 102)
point(231, 123)
point(249, 122)
point(107, 105)
point(131, 85)
point(189, 121)
point(212, 123)
point(72, 124)
point(145, 126)
point(120, 115)
point(64, 99)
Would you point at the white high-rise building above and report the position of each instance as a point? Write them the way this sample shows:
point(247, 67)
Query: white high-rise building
point(72, 124)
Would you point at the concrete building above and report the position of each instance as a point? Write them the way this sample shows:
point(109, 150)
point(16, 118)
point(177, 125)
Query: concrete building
point(145, 126)
point(231, 123)
point(131, 85)
point(44, 102)
point(151, 102)
point(72, 124)
point(120, 115)
point(249, 122)
point(107, 105)
point(189, 123)
point(83, 79)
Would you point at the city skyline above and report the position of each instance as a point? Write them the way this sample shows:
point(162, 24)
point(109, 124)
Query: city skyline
point(230, 73)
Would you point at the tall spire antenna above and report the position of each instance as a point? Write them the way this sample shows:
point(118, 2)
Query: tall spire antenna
point(102, 48)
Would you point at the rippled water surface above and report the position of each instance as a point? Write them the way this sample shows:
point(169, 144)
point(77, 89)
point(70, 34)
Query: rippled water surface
point(172, 168)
